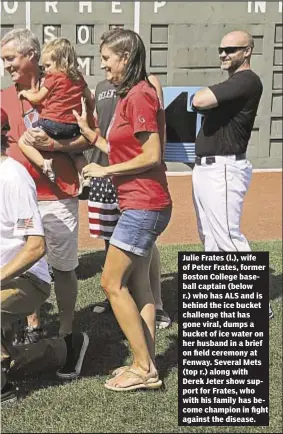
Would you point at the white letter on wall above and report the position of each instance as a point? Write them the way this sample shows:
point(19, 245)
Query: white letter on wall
point(280, 7)
point(85, 63)
point(52, 5)
point(48, 35)
point(114, 10)
point(85, 4)
point(158, 5)
point(258, 7)
point(87, 34)
point(10, 10)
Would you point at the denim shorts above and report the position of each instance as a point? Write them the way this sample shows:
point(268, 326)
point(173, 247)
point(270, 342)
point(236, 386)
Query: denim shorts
point(58, 130)
point(137, 230)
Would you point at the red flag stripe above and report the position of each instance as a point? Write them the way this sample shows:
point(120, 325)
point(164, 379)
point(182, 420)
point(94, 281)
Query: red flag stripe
point(93, 209)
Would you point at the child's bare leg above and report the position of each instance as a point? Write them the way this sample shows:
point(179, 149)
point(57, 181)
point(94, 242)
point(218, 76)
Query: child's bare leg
point(32, 154)
point(35, 157)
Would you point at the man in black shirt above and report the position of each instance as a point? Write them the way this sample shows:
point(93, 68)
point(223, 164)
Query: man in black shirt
point(222, 173)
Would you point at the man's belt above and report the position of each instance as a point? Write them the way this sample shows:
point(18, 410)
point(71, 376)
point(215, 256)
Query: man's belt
point(214, 159)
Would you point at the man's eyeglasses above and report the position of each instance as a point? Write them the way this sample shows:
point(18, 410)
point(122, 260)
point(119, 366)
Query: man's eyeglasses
point(230, 50)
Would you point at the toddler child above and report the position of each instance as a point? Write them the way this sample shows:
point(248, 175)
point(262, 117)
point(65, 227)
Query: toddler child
point(60, 94)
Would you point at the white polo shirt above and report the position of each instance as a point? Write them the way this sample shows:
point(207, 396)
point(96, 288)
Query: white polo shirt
point(19, 215)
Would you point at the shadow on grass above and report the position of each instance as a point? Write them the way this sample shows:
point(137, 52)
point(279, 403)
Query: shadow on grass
point(106, 351)
point(108, 347)
point(169, 359)
point(90, 264)
point(169, 294)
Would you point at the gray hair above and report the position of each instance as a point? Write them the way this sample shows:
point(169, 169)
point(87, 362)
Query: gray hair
point(25, 41)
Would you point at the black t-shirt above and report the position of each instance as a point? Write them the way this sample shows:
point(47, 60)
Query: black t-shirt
point(227, 128)
point(105, 104)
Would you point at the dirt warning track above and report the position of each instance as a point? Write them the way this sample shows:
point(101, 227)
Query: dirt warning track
point(262, 216)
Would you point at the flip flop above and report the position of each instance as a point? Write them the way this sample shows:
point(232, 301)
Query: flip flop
point(119, 371)
point(145, 383)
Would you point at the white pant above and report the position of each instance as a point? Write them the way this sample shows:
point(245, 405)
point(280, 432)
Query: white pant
point(218, 193)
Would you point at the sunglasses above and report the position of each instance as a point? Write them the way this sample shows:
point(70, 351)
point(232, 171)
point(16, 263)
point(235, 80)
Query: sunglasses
point(230, 50)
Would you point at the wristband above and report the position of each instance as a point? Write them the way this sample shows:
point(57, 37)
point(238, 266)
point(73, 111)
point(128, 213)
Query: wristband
point(94, 141)
point(52, 145)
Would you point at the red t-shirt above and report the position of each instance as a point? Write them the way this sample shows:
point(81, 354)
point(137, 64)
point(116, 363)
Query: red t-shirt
point(137, 112)
point(66, 172)
point(64, 96)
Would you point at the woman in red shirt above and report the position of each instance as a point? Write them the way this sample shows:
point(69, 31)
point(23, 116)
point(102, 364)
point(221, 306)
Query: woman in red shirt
point(135, 158)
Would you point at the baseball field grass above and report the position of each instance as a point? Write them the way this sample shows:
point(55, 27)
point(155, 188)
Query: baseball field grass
point(48, 406)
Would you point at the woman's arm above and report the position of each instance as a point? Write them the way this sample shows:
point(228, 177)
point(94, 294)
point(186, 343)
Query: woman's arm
point(91, 136)
point(89, 99)
point(156, 83)
point(161, 113)
point(149, 157)
point(90, 106)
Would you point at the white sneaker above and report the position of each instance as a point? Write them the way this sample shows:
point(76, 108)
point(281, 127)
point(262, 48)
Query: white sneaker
point(48, 170)
point(163, 320)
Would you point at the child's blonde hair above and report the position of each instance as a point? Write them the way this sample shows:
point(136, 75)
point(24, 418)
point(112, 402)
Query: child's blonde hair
point(64, 55)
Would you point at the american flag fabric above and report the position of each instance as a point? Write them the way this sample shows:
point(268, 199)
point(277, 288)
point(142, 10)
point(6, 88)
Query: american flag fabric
point(25, 223)
point(30, 117)
point(103, 212)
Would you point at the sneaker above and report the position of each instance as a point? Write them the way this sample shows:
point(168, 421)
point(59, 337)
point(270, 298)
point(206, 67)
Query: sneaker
point(33, 334)
point(101, 307)
point(5, 367)
point(8, 393)
point(162, 319)
point(19, 337)
point(76, 348)
point(271, 313)
point(48, 170)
